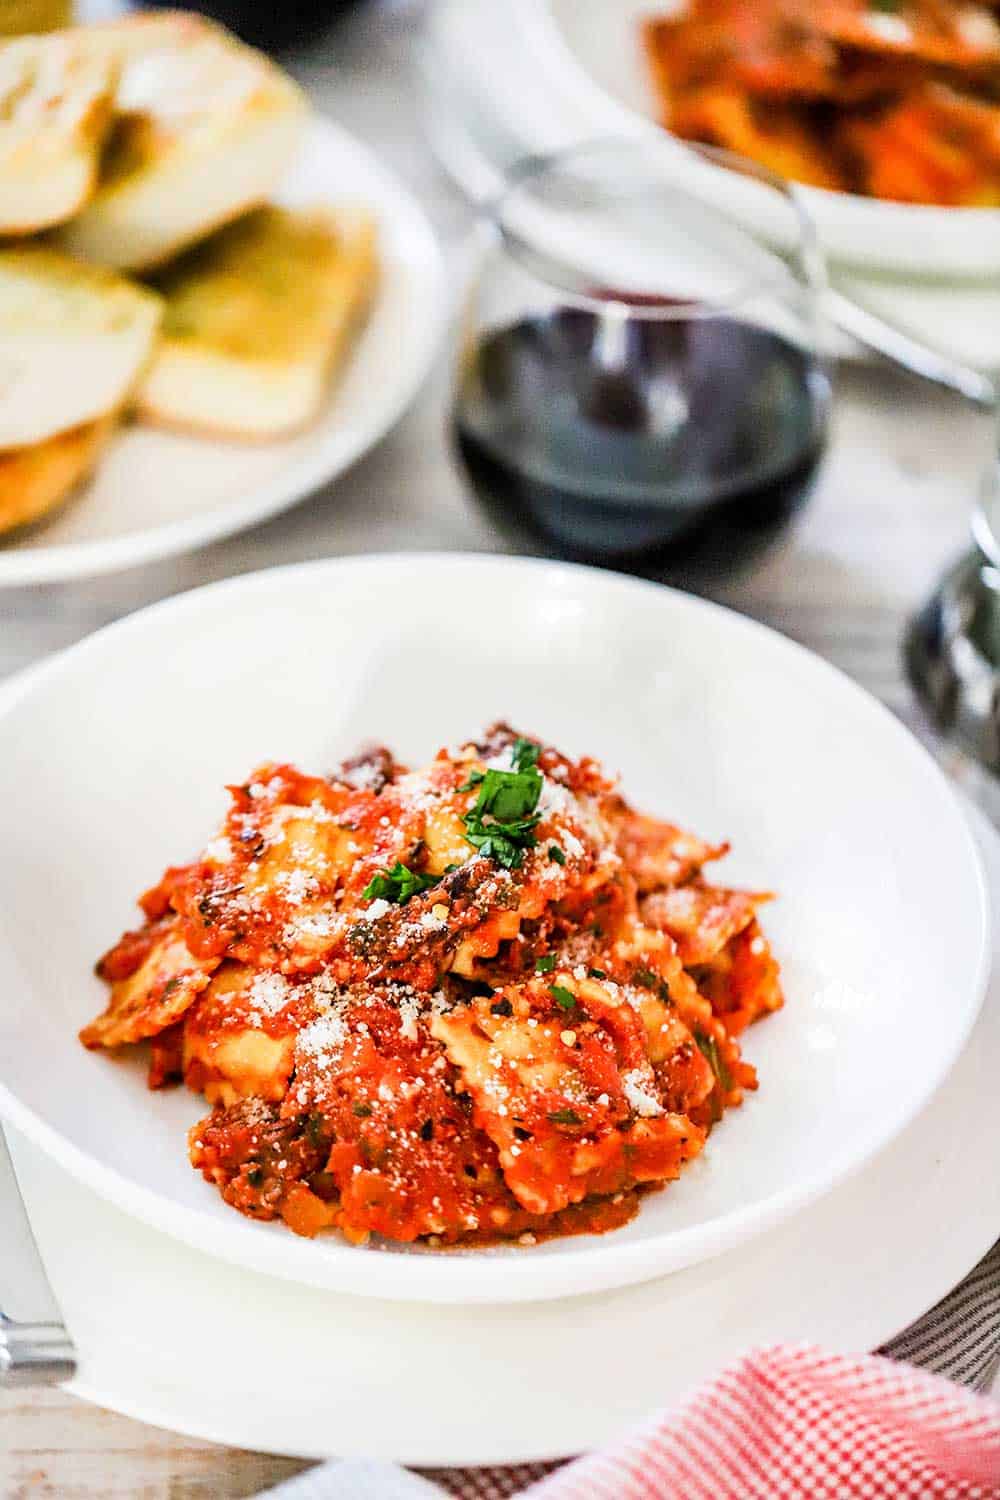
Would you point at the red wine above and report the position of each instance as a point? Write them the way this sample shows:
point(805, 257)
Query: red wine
point(271, 24)
point(611, 438)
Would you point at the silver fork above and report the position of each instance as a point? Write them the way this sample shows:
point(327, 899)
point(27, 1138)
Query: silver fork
point(35, 1347)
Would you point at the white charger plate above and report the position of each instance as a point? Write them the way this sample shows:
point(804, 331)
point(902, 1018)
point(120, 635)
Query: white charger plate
point(119, 749)
point(157, 493)
point(320, 1375)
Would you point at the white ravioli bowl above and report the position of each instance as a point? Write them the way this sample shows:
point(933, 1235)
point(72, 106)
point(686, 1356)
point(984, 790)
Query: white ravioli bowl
point(593, 54)
point(115, 759)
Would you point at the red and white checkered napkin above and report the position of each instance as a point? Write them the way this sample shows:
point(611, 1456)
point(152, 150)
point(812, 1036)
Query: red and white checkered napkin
point(795, 1422)
point(790, 1422)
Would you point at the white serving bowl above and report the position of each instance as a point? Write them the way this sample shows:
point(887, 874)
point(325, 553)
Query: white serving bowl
point(114, 761)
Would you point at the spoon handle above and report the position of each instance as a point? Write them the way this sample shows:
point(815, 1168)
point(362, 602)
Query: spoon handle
point(35, 1348)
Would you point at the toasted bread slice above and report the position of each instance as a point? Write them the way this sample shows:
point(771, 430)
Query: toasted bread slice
point(36, 479)
point(74, 340)
point(205, 128)
point(257, 320)
point(55, 111)
point(20, 16)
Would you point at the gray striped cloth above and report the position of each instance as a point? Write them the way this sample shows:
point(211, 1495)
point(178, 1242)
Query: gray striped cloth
point(958, 1339)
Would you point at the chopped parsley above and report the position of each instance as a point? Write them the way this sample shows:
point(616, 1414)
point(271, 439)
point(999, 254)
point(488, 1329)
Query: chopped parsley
point(397, 885)
point(556, 855)
point(651, 981)
point(597, 974)
point(562, 996)
point(501, 823)
point(545, 963)
point(524, 754)
point(564, 1117)
point(709, 1047)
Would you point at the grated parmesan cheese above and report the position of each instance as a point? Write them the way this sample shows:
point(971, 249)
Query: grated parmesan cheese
point(637, 1086)
point(269, 993)
point(890, 28)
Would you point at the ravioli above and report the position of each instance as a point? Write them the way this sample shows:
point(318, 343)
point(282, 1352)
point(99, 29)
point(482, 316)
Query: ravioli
point(481, 1000)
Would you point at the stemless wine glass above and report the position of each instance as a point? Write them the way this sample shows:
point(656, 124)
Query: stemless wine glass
point(639, 356)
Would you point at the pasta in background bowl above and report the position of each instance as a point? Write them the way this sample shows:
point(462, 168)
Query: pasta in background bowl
point(118, 749)
point(594, 72)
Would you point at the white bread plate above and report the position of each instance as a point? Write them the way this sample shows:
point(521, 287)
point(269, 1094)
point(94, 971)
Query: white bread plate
point(157, 493)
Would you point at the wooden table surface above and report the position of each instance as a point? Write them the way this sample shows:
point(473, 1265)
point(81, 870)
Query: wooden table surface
point(891, 507)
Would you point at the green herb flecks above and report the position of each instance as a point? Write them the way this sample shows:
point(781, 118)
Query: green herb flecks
point(524, 754)
point(397, 885)
point(556, 855)
point(501, 823)
point(562, 996)
point(564, 1117)
point(709, 1047)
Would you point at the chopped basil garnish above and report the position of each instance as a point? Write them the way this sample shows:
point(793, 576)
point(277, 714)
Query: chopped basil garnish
point(524, 754)
point(501, 824)
point(545, 963)
point(710, 1049)
point(597, 974)
point(562, 996)
point(397, 884)
point(556, 855)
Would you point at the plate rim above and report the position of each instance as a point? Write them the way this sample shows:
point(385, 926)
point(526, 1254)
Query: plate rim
point(456, 1278)
point(65, 561)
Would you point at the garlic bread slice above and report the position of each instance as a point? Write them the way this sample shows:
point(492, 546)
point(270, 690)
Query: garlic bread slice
point(258, 319)
point(55, 112)
point(204, 128)
point(35, 480)
point(73, 341)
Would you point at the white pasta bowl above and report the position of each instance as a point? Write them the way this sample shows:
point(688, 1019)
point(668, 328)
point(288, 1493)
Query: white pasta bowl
point(598, 84)
point(114, 759)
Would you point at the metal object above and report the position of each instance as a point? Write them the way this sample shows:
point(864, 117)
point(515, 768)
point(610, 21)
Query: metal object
point(909, 353)
point(952, 654)
point(35, 1348)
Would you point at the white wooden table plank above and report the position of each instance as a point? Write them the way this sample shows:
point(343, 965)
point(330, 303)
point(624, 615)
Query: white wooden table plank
point(890, 509)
